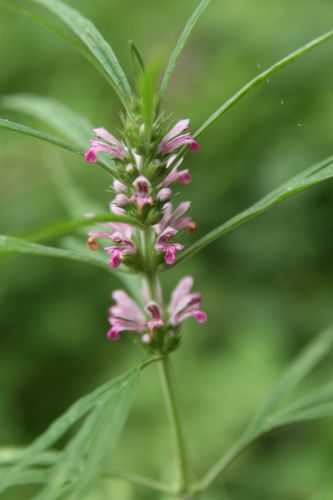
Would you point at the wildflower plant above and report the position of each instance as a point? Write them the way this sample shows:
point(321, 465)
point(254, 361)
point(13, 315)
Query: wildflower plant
point(144, 233)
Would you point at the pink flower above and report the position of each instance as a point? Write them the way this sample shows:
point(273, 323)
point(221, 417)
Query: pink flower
point(175, 139)
point(184, 304)
point(119, 233)
point(174, 218)
point(126, 315)
point(143, 197)
point(170, 249)
point(111, 145)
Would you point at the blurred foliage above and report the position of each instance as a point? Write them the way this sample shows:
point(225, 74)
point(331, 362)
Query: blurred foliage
point(267, 287)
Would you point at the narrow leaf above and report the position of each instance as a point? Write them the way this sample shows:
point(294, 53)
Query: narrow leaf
point(266, 420)
point(10, 244)
point(31, 455)
point(94, 41)
point(69, 123)
point(65, 227)
point(180, 45)
point(107, 438)
point(297, 372)
point(261, 78)
point(22, 129)
point(138, 66)
point(58, 31)
point(306, 179)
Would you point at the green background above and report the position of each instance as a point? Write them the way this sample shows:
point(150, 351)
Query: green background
point(267, 287)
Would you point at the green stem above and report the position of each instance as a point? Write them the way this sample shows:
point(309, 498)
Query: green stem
point(171, 404)
point(166, 377)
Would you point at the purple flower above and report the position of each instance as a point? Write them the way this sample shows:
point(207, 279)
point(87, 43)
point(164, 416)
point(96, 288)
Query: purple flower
point(175, 139)
point(111, 145)
point(142, 197)
point(184, 304)
point(119, 233)
point(170, 249)
point(126, 315)
point(174, 218)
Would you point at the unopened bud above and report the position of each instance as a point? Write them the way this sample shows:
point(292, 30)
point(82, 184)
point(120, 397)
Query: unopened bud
point(92, 244)
point(192, 228)
point(164, 195)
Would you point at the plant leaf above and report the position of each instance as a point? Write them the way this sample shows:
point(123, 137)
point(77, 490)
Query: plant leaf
point(107, 438)
point(10, 244)
point(22, 129)
point(300, 368)
point(180, 45)
point(261, 78)
point(98, 398)
point(82, 459)
point(306, 179)
point(69, 123)
point(58, 31)
point(266, 420)
point(94, 41)
point(68, 226)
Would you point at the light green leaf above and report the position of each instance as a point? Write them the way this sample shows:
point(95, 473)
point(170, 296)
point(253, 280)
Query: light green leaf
point(268, 418)
point(94, 41)
point(300, 368)
point(148, 85)
point(261, 78)
point(31, 455)
point(10, 244)
point(320, 411)
point(306, 179)
point(22, 129)
point(180, 45)
point(69, 123)
point(58, 31)
point(61, 228)
point(108, 435)
point(11, 455)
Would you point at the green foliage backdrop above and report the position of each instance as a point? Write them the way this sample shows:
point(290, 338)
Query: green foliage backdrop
point(267, 288)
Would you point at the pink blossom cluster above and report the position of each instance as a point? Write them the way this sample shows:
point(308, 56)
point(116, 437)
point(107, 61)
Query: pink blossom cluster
point(142, 190)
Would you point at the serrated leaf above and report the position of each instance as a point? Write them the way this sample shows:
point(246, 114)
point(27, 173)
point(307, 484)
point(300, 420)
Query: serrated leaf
point(181, 44)
point(31, 455)
point(94, 41)
point(305, 180)
point(285, 61)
